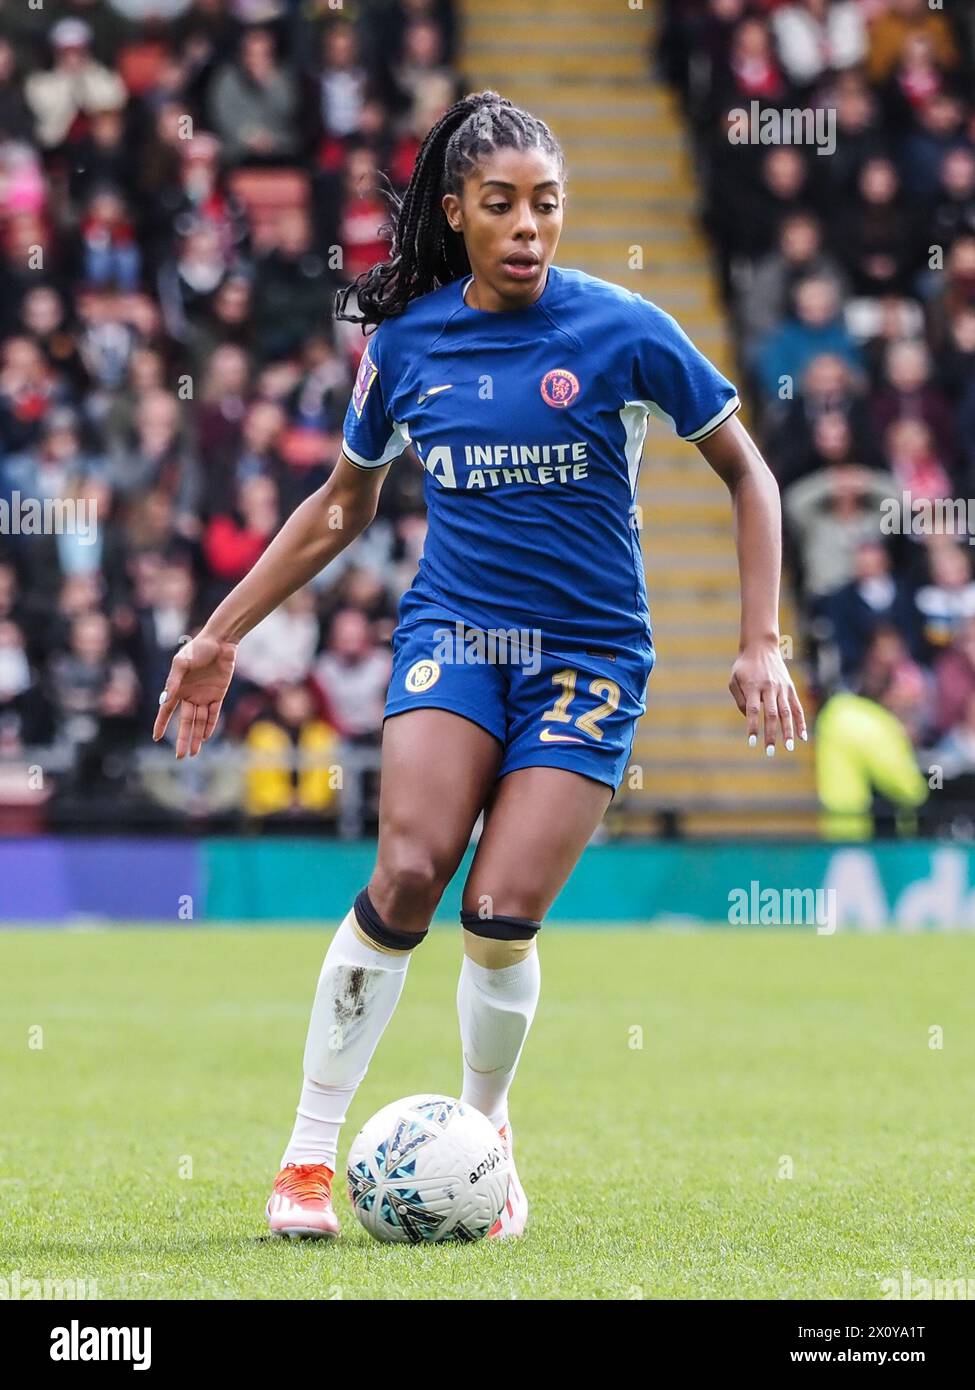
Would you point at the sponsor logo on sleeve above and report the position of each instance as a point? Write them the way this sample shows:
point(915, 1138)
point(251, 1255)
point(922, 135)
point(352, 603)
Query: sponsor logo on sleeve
point(365, 376)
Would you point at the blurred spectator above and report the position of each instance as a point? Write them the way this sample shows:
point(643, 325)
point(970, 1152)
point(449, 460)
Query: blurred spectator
point(156, 459)
point(29, 390)
point(323, 386)
point(16, 121)
point(223, 401)
point(343, 81)
point(352, 673)
point(864, 749)
point(955, 677)
point(90, 686)
point(110, 255)
point(954, 213)
point(830, 442)
point(189, 277)
point(366, 213)
point(937, 129)
point(27, 245)
point(954, 755)
point(254, 103)
point(908, 393)
point(294, 288)
point(750, 196)
point(75, 85)
point(948, 600)
point(875, 597)
point(832, 513)
point(877, 232)
point(21, 181)
point(195, 197)
point(234, 541)
point(798, 255)
point(818, 37)
point(257, 454)
point(292, 757)
point(753, 69)
point(827, 387)
point(44, 315)
point(955, 292)
point(421, 72)
point(895, 23)
point(283, 646)
point(100, 158)
point(913, 461)
point(23, 711)
point(956, 366)
point(225, 318)
point(859, 135)
point(816, 327)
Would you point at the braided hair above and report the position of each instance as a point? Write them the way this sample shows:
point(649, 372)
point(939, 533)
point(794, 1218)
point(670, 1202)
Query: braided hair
point(425, 251)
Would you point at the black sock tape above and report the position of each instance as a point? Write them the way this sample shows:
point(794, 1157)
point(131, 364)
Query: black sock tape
point(373, 926)
point(500, 928)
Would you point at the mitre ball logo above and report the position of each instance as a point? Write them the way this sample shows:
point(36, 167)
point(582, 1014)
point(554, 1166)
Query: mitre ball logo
point(559, 388)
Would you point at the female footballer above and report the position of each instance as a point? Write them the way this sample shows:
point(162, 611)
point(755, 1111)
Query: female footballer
point(525, 390)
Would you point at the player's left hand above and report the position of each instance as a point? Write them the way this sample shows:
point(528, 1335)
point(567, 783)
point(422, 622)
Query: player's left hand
point(198, 681)
point(761, 685)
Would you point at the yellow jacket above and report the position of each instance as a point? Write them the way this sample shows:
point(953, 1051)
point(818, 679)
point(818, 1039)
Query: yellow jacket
point(862, 749)
point(270, 785)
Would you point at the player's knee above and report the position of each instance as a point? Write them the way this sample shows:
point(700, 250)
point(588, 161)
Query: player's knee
point(499, 941)
point(407, 885)
point(523, 902)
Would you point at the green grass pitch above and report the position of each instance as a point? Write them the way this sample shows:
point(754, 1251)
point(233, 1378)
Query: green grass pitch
point(671, 1084)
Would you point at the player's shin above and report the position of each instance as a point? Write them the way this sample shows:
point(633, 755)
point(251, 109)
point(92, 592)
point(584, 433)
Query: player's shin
point(359, 987)
point(497, 994)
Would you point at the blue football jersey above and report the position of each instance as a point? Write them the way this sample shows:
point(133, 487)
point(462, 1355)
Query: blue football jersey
point(530, 425)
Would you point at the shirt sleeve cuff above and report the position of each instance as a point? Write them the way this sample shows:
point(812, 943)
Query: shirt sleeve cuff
point(725, 413)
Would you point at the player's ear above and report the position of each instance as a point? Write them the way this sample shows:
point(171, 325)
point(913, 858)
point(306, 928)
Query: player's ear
point(451, 206)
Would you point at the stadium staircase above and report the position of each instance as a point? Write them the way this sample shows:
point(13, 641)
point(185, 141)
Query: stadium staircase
point(585, 67)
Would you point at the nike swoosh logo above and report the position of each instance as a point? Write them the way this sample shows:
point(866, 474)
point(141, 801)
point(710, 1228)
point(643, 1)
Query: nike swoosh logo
point(547, 736)
point(432, 392)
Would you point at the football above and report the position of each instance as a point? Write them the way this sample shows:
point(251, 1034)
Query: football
point(425, 1169)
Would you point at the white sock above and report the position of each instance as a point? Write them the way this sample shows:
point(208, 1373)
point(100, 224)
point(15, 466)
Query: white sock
point(358, 990)
point(496, 1008)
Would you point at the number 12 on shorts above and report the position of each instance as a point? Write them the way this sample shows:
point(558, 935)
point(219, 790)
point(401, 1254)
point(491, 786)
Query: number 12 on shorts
point(601, 688)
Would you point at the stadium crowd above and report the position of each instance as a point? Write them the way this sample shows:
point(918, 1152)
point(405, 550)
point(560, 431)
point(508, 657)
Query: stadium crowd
point(182, 195)
point(847, 255)
point(181, 198)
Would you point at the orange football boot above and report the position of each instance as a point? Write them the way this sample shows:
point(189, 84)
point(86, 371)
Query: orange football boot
point(514, 1213)
point(300, 1204)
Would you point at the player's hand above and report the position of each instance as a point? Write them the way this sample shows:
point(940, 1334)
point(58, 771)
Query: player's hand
point(762, 686)
point(198, 681)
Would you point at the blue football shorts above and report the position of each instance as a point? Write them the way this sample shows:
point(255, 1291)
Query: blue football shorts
point(571, 709)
